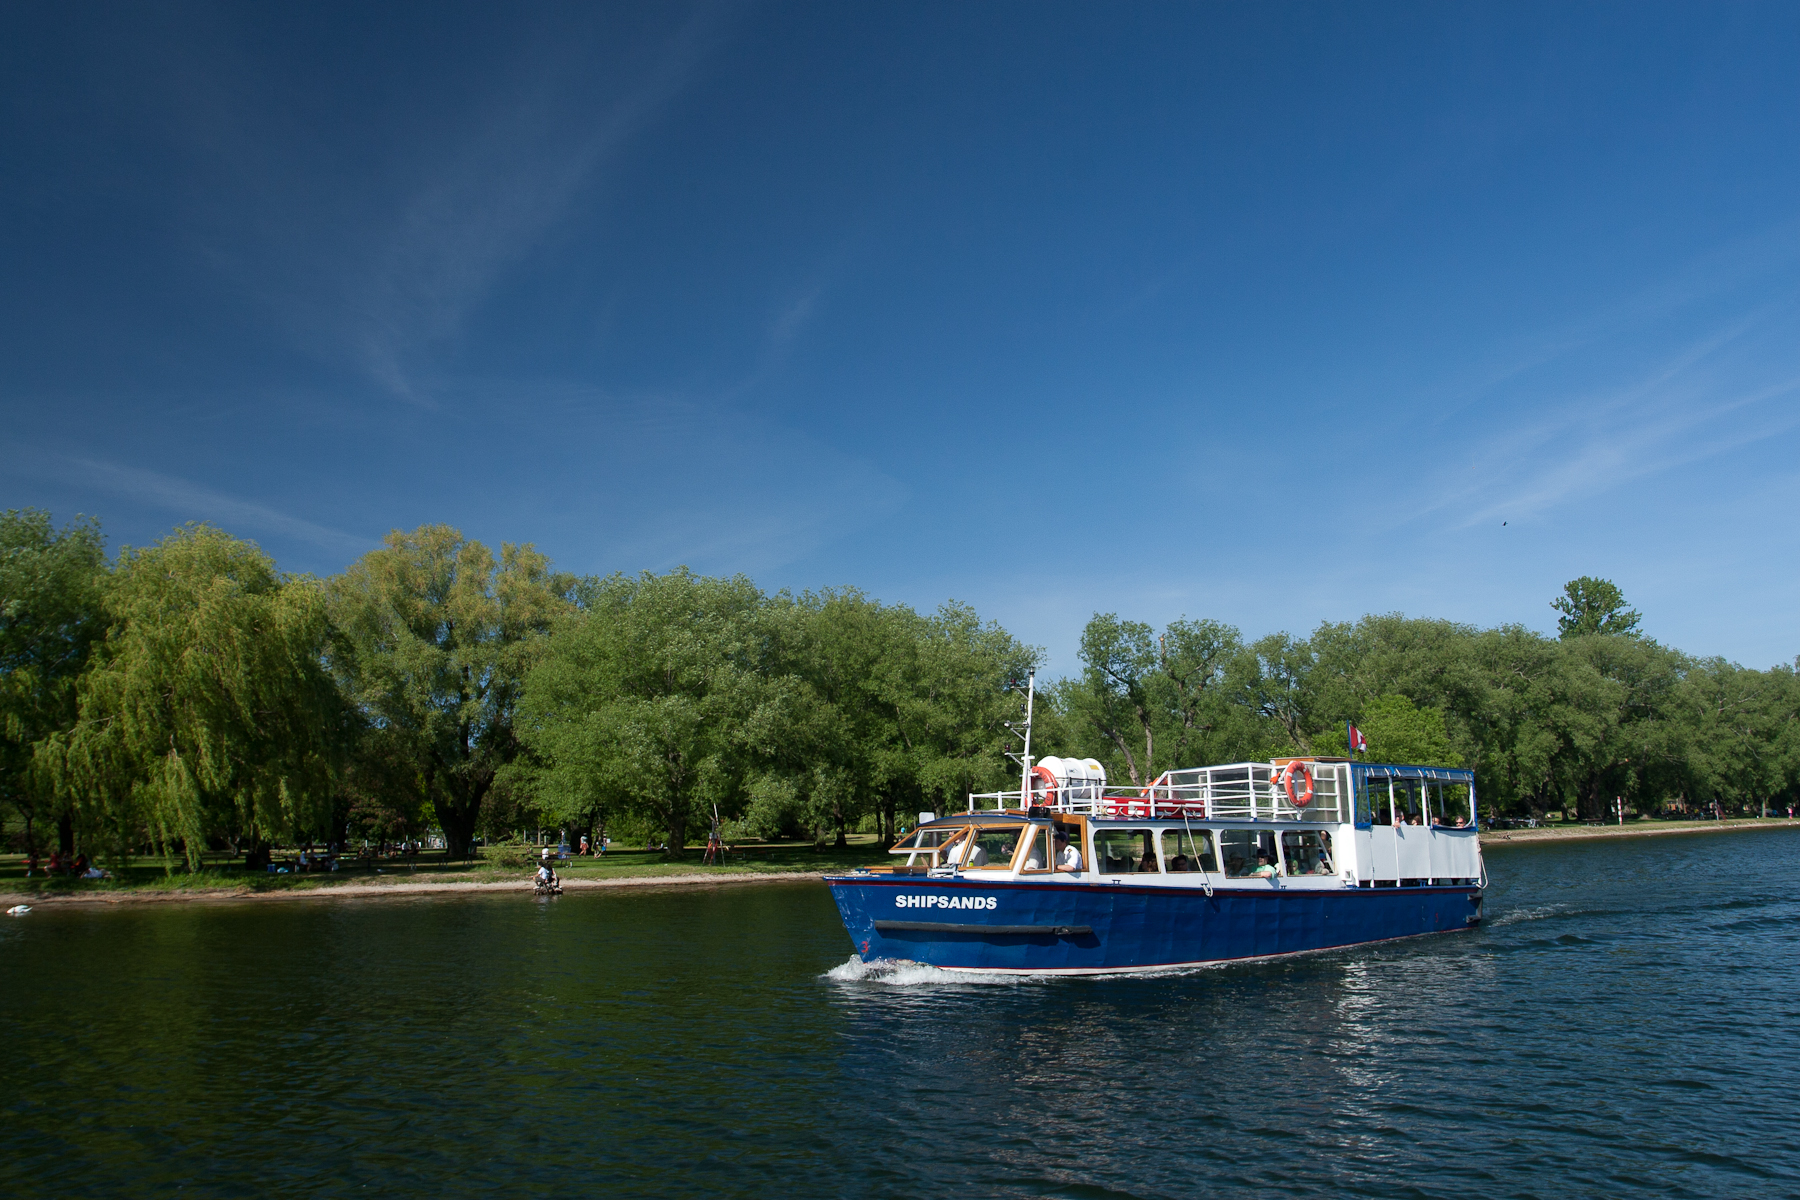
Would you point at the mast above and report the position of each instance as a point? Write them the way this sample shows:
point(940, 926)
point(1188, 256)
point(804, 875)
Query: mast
point(1025, 763)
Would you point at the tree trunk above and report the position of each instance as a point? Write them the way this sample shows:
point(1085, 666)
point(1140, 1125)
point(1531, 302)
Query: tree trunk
point(65, 833)
point(457, 819)
point(677, 837)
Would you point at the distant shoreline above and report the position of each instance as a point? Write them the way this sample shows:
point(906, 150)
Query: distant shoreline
point(523, 886)
point(1575, 833)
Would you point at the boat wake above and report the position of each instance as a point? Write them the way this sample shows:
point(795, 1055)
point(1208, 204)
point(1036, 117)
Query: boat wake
point(1537, 913)
point(895, 972)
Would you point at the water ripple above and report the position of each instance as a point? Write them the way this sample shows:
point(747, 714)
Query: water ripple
point(1622, 1025)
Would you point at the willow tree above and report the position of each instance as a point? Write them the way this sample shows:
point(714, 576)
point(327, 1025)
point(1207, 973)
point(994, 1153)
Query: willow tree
point(51, 617)
point(207, 710)
point(434, 639)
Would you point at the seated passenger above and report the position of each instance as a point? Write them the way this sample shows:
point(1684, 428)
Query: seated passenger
point(1264, 868)
point(1034, 859)
point(1179, 863)
point(1148, 862)
point(1068, 858)
point(977, 856)
point(1322, 866)
point(1234, 866)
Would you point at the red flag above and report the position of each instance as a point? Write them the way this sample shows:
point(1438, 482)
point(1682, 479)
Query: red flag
point(1357, 740)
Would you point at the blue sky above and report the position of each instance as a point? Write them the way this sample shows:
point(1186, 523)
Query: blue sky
point(1271, 313)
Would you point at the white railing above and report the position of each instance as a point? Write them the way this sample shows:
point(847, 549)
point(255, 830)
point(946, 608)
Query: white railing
point(1233, 792)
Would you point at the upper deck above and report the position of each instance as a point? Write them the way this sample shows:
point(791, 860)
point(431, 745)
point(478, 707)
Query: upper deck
point(1324, 791)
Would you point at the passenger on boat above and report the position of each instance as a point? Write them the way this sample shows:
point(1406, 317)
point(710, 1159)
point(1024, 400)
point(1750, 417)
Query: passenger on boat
point(1264, 868)
point(1068, 858)
point(1034, 858)
point(1179, 863)
point(1148, 861)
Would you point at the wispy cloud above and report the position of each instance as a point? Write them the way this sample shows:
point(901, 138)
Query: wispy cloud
point(374, 268)
point(1542, 439)
point(1728, 270)
point(488, 205)
point(1556, 461)
point(187, 501)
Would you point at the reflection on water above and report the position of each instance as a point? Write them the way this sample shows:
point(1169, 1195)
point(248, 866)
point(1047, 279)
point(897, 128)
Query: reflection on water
point(1622, 1025)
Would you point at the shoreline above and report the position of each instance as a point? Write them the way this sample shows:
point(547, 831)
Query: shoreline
point(399, 890)
point(381, 891)
point(1558, 833)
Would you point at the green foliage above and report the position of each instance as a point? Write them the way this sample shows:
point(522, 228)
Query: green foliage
point(206, 711)
point(433, 638)
point(655, 699)
point(670, 695)
point(1146, 702)
point(52, 615)
point(1594, 606)
point(193, 693)
point(1398, 731)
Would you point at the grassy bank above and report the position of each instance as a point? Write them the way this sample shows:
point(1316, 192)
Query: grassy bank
point(223, 878)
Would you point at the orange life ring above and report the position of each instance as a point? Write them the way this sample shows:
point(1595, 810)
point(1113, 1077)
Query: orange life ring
point(1298, 798)
point(1051, 786)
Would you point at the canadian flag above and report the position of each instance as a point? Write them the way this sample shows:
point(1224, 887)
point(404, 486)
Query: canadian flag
point(1357, 740)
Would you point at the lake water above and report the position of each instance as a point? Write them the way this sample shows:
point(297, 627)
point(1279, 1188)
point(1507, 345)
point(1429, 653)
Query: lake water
point(1625, 1024)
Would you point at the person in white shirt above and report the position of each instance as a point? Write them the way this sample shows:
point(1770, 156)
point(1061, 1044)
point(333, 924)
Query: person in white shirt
point(1068, 858)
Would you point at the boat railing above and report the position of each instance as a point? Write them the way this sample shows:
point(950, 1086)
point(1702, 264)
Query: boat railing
point(1234, 792)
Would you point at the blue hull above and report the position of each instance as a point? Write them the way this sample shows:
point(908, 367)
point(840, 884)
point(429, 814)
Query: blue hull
point(1088, 928)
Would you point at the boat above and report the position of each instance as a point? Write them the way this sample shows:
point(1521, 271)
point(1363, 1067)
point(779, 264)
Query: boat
point(1245, 860)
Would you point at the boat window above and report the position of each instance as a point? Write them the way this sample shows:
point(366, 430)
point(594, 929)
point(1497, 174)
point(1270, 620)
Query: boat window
point(1407, 806)
point(1306, 853)
point(1124, 851)
point(994, 846)
point(1240, 847)
point(1183, 850)
point(1037, 848)
point(930, 839)
point(1450, 804)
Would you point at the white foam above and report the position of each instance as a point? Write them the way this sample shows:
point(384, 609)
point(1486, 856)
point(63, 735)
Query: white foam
point(1537, 913)
point(897, 972)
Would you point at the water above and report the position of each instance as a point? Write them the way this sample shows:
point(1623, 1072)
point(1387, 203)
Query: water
point(1626, 1024)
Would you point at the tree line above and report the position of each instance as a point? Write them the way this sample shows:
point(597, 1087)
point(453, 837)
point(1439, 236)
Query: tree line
point(189, 695)
point(1598, 713)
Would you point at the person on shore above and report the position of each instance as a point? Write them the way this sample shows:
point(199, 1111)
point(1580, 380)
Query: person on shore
point(584, 846)
point(546, 874)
